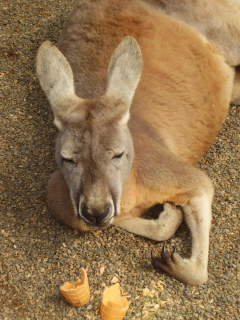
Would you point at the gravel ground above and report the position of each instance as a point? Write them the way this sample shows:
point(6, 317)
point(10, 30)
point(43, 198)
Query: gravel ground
point(37, 255)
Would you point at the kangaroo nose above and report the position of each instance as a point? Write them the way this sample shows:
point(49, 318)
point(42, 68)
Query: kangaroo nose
point(100, 218)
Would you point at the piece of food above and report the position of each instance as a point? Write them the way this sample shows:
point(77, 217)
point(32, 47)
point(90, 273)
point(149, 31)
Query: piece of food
point(78, 293)
point(114, 306)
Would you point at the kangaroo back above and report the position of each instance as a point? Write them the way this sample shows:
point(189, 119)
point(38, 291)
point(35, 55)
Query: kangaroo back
point(185, 85)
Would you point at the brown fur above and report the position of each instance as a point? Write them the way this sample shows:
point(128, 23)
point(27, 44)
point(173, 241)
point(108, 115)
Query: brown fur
point(217, 20)
point(176, 112)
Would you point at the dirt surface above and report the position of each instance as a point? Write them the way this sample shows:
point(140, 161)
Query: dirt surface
point(37, 255)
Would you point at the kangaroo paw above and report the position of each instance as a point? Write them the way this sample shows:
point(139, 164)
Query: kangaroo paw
point(185, 270)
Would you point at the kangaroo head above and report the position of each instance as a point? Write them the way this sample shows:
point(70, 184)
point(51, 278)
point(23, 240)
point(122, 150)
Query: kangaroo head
point(94, 148)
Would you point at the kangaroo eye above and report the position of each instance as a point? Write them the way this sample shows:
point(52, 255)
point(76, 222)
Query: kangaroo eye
point(67, 160)
point(118, 156)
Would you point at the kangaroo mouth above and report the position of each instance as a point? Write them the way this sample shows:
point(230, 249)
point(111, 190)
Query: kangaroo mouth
point(96, 227)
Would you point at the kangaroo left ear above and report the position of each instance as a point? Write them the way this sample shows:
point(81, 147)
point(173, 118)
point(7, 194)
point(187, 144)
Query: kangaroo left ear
point(56, 79)
point(54, 73)
point(124, 72)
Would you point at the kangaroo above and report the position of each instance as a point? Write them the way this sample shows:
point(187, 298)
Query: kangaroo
point(138, 98)
point(217, 20)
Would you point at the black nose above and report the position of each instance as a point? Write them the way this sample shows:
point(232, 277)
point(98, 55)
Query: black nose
point(97, 218)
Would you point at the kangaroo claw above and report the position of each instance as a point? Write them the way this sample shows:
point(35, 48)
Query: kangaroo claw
point(164, 261)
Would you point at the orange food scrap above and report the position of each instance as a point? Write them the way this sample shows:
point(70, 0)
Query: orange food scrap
point(78, 293)
point(114, 306)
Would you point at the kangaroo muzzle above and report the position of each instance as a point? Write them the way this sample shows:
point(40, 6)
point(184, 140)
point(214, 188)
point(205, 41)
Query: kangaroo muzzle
point(97, 219)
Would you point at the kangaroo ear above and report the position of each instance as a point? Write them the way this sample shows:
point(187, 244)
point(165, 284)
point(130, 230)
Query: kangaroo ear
point(124, 71)
point(56, 78)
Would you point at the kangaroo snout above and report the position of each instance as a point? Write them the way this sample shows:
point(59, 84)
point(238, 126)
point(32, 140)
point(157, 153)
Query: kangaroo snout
point(97, 218)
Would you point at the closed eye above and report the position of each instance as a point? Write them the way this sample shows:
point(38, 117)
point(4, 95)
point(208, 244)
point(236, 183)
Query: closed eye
point(67, 160)
point(118, 156)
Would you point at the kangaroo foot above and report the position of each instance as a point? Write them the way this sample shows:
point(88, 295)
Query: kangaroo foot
point(189, 271)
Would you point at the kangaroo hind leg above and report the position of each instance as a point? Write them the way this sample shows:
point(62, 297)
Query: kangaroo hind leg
point(193, 270)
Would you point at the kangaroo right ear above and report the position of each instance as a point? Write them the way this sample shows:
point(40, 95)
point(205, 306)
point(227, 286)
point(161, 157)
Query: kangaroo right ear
point(56, 78)
point(124, 72)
